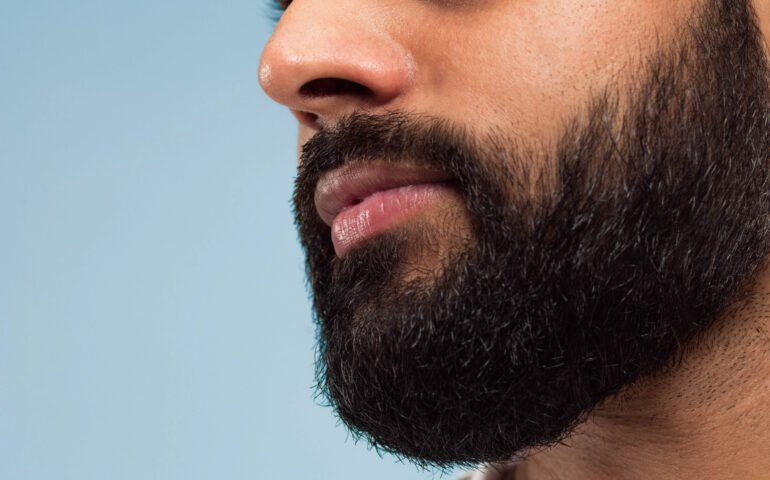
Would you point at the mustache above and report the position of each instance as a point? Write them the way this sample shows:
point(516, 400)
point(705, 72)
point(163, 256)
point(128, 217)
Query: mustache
point(479, 164)
point(393, 137)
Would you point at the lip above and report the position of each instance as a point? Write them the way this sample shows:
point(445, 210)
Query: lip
point(360, 201)
point(345, 187)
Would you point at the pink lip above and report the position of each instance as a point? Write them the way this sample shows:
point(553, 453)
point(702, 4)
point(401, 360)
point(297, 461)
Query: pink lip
point(361, 200)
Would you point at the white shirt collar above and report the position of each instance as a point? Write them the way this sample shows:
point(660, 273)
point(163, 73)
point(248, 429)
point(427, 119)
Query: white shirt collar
point(490, 472)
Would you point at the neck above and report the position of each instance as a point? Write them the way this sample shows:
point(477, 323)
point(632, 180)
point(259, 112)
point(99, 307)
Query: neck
point(706, 417)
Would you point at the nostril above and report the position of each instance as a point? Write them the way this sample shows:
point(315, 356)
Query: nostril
point(321, 87)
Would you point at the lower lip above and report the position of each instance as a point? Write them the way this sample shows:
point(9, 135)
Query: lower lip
point(381, 211)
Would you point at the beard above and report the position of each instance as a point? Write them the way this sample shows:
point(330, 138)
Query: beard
point(574, 280)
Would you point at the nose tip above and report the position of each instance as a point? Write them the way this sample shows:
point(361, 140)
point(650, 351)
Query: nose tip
point(324, 73)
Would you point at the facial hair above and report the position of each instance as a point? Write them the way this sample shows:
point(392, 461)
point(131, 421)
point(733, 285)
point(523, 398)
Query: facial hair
point(641, 228)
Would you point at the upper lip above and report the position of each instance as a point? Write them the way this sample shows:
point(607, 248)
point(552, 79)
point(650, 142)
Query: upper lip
point(346, 186)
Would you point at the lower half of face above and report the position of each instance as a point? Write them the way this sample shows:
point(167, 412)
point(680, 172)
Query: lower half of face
point(493, 318)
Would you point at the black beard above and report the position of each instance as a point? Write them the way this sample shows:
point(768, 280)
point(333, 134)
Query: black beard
point(645, 226)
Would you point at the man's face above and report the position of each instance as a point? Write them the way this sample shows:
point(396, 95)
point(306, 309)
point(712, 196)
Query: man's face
point(593, 194)
point(524, 65)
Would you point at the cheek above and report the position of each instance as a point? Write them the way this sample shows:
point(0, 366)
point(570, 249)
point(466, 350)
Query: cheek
point(762, 9)
point(530, 65)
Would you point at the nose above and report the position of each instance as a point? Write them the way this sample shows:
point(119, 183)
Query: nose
point(324, 64)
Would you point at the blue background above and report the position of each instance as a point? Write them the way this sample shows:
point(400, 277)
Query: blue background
point(154, 322)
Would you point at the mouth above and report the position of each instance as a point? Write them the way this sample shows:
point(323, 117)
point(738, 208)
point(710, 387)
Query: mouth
point(360, 200)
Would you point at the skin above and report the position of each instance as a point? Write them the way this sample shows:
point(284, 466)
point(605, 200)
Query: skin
point(529, 65)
